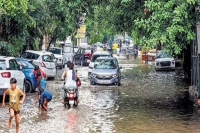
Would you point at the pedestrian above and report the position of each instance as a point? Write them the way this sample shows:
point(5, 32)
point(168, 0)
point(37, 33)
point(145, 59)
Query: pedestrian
point(38, 70)
point(42, 86)
point(120, 45)
point(14, 102)
point(127, 53)
point(135, 51)
point(118, 50)
point(45, 99)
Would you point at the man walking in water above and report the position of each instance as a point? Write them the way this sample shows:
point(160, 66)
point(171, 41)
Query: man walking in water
point(14, 102)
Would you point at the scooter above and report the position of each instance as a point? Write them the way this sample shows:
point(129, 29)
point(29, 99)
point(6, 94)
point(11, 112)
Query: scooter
point(71, 96)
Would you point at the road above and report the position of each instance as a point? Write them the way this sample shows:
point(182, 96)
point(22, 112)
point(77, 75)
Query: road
point(147, 102)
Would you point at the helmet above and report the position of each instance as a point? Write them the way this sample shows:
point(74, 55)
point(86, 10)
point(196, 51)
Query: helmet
point(36, 67)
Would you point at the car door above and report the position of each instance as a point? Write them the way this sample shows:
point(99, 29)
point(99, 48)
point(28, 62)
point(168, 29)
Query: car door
point(16, 73)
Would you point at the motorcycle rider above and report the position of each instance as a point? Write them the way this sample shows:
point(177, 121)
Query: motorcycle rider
point(70, 78)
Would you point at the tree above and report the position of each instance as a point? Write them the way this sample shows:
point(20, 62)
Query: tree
point(170, 23)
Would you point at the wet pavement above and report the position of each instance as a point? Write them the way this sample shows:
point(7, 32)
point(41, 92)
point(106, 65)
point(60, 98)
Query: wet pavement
point(147, 102)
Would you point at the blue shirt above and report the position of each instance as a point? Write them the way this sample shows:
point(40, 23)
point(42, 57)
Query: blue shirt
point(43, 84)
point(46, 95)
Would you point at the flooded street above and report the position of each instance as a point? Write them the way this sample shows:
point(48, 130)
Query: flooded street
point(147, 102)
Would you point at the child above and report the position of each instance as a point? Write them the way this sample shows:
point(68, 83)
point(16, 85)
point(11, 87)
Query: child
point(42, 85)
point(14, 102)
point(45, 99)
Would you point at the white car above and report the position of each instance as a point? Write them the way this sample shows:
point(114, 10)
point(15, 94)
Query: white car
point(163, 61)
point(9, 68)
point(45, 60)
point(94, 57)
point(58, 53)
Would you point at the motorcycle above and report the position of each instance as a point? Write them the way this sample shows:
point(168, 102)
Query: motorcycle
point(71, 95)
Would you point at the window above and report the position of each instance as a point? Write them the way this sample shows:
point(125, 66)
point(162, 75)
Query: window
point(2, 65)
point(105, 64)
point(47, 58)
point(29, 55)
point(35, 56)
point(25, 64)
point(13, 65)
point(94, 57)
point(55, 51)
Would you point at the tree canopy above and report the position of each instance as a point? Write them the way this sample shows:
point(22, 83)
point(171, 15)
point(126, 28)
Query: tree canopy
point(149, 22)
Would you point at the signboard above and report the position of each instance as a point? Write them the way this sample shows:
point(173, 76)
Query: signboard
point(81, 31)
point(198, 37)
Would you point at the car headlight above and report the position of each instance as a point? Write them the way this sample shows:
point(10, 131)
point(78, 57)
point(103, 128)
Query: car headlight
point(114, 75)
point(94, 75)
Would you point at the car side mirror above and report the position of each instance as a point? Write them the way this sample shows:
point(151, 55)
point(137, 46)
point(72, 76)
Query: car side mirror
point(120, 67)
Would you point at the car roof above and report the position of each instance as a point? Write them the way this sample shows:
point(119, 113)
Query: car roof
point(101, 53)
point(6, 57)
point(55, 47)
point(111, 58)
point(39, 52)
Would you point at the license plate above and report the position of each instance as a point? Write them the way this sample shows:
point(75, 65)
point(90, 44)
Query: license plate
point(104, 82)
point(150, 58)
point(71, 95)
point(71, 102)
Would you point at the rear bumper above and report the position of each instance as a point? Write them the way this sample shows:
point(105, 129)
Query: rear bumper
point(165, 67)
point(49, 72)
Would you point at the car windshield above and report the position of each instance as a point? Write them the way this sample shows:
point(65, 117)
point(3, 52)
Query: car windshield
point(162, 56)
point(47, 58)
point(94, 57)
point(25, 64)
point(2, 65)
point(55, 51)
point(105, 64)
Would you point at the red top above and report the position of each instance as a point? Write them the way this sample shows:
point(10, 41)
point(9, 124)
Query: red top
point(42, 73)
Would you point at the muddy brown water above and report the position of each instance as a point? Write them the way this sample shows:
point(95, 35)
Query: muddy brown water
point(147, 102)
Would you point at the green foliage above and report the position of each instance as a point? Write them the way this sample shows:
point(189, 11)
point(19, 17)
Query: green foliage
point(170, 23)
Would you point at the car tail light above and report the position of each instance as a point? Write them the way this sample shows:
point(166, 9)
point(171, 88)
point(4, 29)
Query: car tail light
point(6, 74)
point(42, 64)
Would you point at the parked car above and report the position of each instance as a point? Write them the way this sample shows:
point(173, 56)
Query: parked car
point(163, 61)
point(10, 69)
point(94, 57)
point(83, 55)
point(59, 55)
point(45, 60)
point(106, 71)
point(27, 69)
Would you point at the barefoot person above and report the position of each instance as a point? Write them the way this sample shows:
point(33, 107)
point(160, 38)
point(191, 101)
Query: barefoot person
point(45, 99)
point(14, 102)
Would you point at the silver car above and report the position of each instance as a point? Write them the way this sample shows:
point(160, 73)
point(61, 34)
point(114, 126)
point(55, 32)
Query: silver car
point(106, 71)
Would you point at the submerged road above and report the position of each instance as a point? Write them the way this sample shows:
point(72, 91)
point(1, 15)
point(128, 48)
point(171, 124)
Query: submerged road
point(147, 102)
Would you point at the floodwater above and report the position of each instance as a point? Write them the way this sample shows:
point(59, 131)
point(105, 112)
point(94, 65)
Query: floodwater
point(147, 102)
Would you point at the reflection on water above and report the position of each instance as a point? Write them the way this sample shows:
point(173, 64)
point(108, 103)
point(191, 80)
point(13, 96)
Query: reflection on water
point(156, 102)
